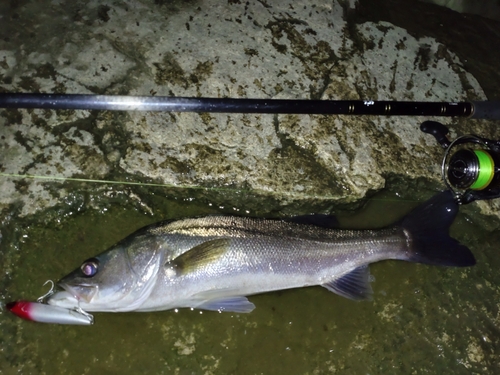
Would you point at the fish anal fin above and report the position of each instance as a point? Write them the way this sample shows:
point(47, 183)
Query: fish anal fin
point(200, 255)
point(354, 285)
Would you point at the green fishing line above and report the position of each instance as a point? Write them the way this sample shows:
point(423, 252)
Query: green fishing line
point(486, 170)
point(193, 187)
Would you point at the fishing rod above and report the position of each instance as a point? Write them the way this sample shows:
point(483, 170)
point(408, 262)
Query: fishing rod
point(471, 174)
point(476, 110)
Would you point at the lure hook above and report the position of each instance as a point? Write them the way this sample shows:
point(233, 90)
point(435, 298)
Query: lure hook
point(49, 293)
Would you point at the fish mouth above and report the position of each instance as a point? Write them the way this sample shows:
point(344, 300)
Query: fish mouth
point(63, 299)
point(79, 292)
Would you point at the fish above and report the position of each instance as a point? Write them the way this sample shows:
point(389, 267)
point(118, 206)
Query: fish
point(216, 262)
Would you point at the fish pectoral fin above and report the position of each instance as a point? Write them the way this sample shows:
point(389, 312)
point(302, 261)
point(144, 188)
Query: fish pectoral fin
point(354, 285)
point(200, 255)
point(237, 304)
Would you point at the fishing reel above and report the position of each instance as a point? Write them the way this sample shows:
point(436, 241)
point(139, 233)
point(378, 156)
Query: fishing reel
point(471, 164)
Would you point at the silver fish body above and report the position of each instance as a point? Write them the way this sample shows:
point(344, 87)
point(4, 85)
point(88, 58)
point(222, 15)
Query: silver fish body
point(214, 262)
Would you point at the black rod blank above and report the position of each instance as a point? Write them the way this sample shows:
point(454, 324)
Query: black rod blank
point(489, 110)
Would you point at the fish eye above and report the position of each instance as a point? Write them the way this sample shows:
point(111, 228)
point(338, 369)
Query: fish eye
point(89, 267)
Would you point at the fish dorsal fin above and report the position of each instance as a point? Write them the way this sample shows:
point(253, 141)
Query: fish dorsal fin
point(201, 255)
point(320, 220)
point(353, 285)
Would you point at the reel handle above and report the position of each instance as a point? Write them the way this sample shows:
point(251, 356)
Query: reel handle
point(438, 130)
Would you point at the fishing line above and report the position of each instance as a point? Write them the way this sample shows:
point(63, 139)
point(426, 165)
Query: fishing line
point(73, 179)
point(192, 187)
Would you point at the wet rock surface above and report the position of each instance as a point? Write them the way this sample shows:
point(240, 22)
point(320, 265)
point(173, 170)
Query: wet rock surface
point(423, 319)
point(306, 50)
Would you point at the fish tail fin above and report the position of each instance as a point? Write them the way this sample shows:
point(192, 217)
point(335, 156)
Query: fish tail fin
point(428, 229)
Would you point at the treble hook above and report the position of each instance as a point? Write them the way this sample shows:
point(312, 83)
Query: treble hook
point(79, 310)
point(48, 294)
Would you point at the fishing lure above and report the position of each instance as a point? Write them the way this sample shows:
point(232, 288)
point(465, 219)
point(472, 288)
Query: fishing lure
point(44, 313)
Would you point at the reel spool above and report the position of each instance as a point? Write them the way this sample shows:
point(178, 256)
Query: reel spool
point(472, 171)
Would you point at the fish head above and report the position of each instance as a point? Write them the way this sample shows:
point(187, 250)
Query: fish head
point(119, 279)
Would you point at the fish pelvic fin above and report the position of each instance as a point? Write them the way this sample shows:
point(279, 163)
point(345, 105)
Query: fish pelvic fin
point(226, 299)
point(238, 304)
point(201, 255)
point(427, 228)
point(354, 285)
